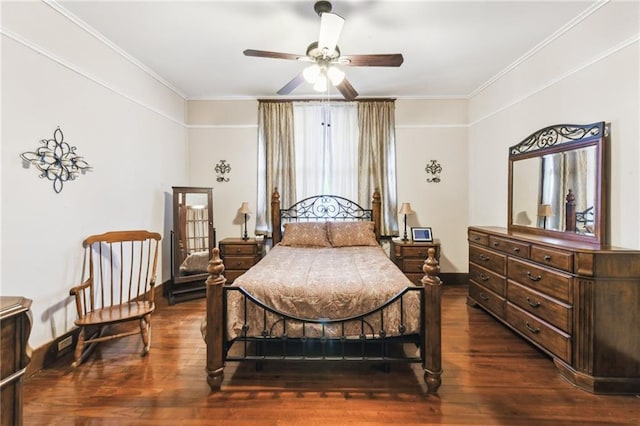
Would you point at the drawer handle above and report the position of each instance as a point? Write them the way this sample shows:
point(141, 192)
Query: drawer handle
point(547, 258)
point(516, 249)
point(484, 277)
point(532, 304)
point(531, 329)
point(496, 243)
point(483, 296)
point(534, 278)
point(485, 258)
point(476, 238)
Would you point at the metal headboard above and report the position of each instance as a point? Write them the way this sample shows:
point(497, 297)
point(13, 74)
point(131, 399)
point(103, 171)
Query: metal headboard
point(325, 207)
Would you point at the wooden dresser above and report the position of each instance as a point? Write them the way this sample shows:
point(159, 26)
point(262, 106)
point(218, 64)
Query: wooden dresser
point(239, 255)
point(410, 256)
point(577, 302)
point(15, 321)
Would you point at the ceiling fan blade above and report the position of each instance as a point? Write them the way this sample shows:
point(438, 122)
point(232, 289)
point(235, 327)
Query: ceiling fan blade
point(347, 90)
point(274, 55)
point(330, 29)
point(382, 60)
point(295, 82)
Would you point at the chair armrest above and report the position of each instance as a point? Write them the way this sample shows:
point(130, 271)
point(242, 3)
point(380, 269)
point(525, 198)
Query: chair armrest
point(76, 290)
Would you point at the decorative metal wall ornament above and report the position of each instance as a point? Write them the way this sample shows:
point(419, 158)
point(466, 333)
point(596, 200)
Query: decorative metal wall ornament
point(221, 168)
point(435, 169)
point(56, 160)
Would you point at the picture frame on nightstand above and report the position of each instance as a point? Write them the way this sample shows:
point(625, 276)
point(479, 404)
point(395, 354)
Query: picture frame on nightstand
point(421, 234)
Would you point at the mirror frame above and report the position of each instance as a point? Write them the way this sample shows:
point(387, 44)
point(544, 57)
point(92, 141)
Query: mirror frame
point(175, 243)
point(561, 138)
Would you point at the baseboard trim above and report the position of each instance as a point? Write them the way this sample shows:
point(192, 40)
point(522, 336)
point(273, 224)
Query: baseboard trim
point(454, 278)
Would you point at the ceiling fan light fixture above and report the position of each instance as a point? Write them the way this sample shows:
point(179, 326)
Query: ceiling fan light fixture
point(321, 83)
point(311, 73)
point(336, 75)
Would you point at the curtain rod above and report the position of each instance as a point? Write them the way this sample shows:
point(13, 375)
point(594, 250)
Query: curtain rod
point(324, 100)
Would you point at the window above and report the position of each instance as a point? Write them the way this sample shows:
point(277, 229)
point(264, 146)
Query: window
point(326, 149)
point(341, 148)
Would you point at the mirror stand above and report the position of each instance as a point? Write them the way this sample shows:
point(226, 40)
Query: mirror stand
point(192, 239)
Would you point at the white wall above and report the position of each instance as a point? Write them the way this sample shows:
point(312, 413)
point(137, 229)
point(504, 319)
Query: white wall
point(435, 130)
point(129, 127)
point(425, 130)
point(589, 73)
point(225, 130)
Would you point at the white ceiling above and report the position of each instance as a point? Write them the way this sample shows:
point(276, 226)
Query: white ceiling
point(450, 48)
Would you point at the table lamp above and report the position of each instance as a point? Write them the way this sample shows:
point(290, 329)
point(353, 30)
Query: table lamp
point(405, 210)
point(244, 209)
point(544, 210)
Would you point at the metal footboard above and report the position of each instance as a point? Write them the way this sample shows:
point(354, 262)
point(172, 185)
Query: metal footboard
point(357, 338)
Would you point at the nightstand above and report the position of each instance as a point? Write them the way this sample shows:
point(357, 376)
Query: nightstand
point(239, 255)
point(410, 256)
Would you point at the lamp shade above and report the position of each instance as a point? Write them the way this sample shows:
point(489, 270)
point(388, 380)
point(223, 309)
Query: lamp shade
point(244, 208)
point(406, 209)
point(544, 210)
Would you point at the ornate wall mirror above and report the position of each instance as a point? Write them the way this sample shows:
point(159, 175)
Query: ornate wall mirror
point(557, 183)
point(193, 237)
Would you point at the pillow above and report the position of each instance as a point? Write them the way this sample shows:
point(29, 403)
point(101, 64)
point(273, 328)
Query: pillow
point(195, 263)
point(346, 234)
point(305, 234)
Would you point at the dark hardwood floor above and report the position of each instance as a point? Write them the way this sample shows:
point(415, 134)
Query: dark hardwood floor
point(491, 377)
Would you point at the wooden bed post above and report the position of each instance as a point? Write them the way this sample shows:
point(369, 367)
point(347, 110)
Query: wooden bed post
point(375, 206)
point(432, 361)
point(215, 321)
point(275, 218)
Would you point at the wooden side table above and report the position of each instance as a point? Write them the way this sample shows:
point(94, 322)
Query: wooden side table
point(15, 321)
point(239, 255)
point(410, 256)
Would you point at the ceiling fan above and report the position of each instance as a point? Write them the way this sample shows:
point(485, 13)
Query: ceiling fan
point(324, 57)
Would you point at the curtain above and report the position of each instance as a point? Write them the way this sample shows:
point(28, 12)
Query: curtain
point(197, 229)
point(350, 152)
point(377, 160)
point(276, 156)
point(562, 172)
point(326, 146)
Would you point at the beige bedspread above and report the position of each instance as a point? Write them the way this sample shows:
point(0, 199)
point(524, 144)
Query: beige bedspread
point(319, 283)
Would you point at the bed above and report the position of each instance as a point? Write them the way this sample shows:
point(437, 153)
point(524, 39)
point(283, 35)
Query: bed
point(326, 291)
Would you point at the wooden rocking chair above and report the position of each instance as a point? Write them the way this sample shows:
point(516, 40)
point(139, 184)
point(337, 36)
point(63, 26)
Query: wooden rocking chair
point(120, 288)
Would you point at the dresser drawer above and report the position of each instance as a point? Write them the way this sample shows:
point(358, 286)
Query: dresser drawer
point(232, 274)
point(237, 249)
point(547, 281)
point(492, 260)
point(418, 252)
point(488, 279)
point(413, 266)
point(488, 299)
point(547, 336)
point(550, 310)
point(505, 245)
point(478, 238)
point(415, 278)
point(238, 262)
point(556, 258)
